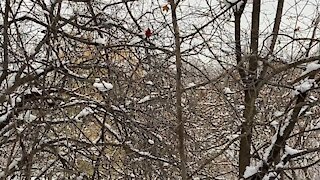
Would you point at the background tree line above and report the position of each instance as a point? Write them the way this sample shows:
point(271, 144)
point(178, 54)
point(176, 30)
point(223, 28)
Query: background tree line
point(126, 89)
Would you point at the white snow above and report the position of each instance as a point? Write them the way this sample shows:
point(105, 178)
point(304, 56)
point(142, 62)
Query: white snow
point(4, 116)
point(100, 40)
point(312, 98)
point(83, 113)
point(11, 78)
point(291, 151)
point(150, 141)
point(32, 90)
point(191, 85)
point(135, 40)
point(145, 99)
point(28, 117)
point(250, 170)
point(128, 102)
point(165, 164)
point(149, 83)
point(269, 175)
point(115, 108)
point(286, 122)
point(144, 153)
point(303, 109)
point(283, 128)
point(233, 136)
point(75, 74)
point(279, 165)
point(158, 136)
point(114, 132)
point(102, 85)
point(311, 67)
point(38, 67)
point(148, 97)
point(275, 124)
point(227, 90)
point(268, 149)
point(308, 113)
point(241, 107)
point(19, 129)
point(278, 113)
point(12, 165)
point(304, 86)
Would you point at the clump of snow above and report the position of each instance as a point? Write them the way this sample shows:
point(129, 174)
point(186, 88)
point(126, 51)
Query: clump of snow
point(100, 40)
point(11, 78)
point(17, 99)
point(308, 113)
point(165, 164)
point(278, 113)
point(144, 153)
point(311, 67)
point(312, 98)
point(115, 108)
point(150, 141)
point(128, 102)
point(275, 124)
point(102, 85)
point(291, 151)
point(145, 99)
point(83, 113)
point(241, 107)
point(19, 129)
point(191, 85)
point(268, 149)
point(303, 109)
point(304, 86)
point(28, 117)
point(286, 123)
point(31, 51)
point(148, 97)
point(33, 90)
point(280, 165)
point(250, 170)
point(149, 83)
point(4, 116)
point(12, 165)
point(227, 90)
point(269, 176)
point(283, 128)
point(233, 136)
point(287, 151)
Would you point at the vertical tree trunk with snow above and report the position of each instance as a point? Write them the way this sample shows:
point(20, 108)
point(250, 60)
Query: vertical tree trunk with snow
point(180, 120)
point(251, 91)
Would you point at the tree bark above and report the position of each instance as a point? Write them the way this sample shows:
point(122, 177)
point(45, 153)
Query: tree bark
point(179, 90)
point(251, 92)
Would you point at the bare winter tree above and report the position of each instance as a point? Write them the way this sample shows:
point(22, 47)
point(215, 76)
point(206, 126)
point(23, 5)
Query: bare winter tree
point(159, 89)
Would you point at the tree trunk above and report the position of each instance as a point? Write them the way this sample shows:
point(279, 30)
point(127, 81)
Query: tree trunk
point(180, 120)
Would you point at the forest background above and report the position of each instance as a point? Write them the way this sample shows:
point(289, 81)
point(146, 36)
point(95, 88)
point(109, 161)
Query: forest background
point(138, 89)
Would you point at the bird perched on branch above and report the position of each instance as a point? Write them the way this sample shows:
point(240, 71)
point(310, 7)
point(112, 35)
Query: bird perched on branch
point(148, 33)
